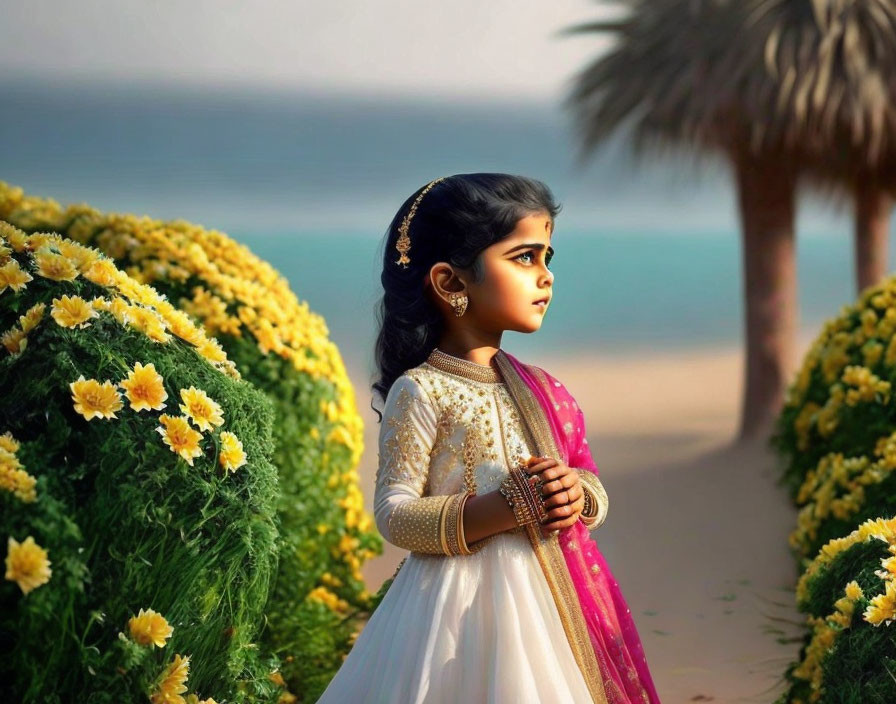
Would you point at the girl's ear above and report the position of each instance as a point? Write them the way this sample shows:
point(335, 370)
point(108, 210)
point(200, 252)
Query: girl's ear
point(444, 280)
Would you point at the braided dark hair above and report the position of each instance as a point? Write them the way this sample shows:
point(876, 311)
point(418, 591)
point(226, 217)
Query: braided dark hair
point(457, 219)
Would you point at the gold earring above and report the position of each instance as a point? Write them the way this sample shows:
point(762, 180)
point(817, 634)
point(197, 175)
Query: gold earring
point(459, 303)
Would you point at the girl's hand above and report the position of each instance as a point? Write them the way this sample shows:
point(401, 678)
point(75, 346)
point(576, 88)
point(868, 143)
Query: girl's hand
point(563, 492)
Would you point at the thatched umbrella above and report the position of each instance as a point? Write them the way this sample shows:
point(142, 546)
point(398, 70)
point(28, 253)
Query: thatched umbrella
point(780, 88)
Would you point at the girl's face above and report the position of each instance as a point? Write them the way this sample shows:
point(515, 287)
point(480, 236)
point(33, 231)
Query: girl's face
point(515, 277)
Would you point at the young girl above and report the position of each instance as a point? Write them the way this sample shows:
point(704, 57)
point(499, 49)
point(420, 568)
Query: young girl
point(484, 475)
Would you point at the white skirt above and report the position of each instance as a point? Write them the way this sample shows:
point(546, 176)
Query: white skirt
point(479, 628)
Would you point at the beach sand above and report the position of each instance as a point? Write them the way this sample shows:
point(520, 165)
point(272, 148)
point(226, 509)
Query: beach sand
point(697, 530)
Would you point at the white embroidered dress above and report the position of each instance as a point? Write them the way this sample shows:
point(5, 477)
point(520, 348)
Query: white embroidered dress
point(481, 628)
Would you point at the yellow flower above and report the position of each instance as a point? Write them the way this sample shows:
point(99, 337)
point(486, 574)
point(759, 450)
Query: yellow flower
point(180, 437)
point(12, 275)
point(180, 324)
point(101, 272)
point(17, 482)
point(201, 409)
point(211, 349)
point(149, 628)
point(16, 238)
point(27, 564)
point(43, 240)
point(121, 309)
point(803, 424)
point(100, 303)
point(872, 351)
point(29, 320)
point(172, 683)
point(325, 596)
point(889, 567)
point(232, 456)
point(9, 443)
point(72, 312)
point(95, 400)
point(13, 478)
point(149, 323)
point(883, 607)
point(82, 257)
point(868, 386)
point(14, 340)
point(144, 388)
point(55, 266)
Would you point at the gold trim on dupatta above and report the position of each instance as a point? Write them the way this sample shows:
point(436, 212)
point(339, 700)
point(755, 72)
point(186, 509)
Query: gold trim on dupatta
point(547, 548)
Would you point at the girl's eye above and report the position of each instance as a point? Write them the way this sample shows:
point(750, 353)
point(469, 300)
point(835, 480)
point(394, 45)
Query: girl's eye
point(531, 253)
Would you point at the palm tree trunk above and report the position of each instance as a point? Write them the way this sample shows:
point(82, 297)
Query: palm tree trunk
point(872, 233)
point(766, 199)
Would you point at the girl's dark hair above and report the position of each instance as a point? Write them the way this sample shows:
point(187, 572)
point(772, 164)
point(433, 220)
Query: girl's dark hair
point(456, 219)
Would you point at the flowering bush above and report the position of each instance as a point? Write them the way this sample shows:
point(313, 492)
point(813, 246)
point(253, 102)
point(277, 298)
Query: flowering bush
point(319, 598)
point(137, 491)
point(836, 431)
point(837, 437)
point(849, 594)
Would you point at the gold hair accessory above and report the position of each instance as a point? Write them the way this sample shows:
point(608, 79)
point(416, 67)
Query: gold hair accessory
point(403, 243)
point(459, 303)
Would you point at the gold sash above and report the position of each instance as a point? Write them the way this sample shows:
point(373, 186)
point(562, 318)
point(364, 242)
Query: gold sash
point(547, 549)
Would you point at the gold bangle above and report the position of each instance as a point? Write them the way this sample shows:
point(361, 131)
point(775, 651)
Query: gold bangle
point(463, 548)
point(450, 525)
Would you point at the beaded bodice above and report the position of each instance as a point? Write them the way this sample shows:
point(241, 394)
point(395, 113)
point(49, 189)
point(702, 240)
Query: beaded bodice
point(476, 435)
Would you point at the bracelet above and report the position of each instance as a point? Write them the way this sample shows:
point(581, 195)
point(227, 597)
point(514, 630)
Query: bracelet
point(589, 509)
point(510, 490)
point(462, 546)
point(596, 497)
point(528, 507)
point(533, 496)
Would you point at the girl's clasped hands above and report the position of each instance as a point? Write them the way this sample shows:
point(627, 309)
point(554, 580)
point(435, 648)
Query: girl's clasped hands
point(564, 497)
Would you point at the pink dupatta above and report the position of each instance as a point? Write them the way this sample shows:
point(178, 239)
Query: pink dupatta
point(611, 628)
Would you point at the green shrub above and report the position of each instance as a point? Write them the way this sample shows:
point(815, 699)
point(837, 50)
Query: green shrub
point(849, 594)
point(840, 401)
point(143, 492)
point(836, 436)
point(319, 598)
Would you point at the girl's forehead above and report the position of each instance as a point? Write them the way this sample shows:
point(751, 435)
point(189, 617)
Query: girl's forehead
point(530, 225)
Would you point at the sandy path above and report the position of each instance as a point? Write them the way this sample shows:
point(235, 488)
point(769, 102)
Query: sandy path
point(697, 529)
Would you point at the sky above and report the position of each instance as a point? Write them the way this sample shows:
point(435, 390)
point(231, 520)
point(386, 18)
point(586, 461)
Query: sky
point(462, 48)
point(459, 54)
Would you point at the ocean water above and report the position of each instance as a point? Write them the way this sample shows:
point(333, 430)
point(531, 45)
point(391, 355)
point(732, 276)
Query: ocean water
point(614, 292)
point(647, 253)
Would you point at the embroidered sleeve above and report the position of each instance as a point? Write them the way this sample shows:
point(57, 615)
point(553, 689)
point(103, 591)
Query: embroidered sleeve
point(404, 516)
point(599, 500)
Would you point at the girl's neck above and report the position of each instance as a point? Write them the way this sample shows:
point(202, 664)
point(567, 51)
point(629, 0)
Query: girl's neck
point(481, 355)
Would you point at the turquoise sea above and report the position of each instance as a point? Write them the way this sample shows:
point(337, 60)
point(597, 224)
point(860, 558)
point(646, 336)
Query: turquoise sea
point(647, 257)
point(613, 291)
